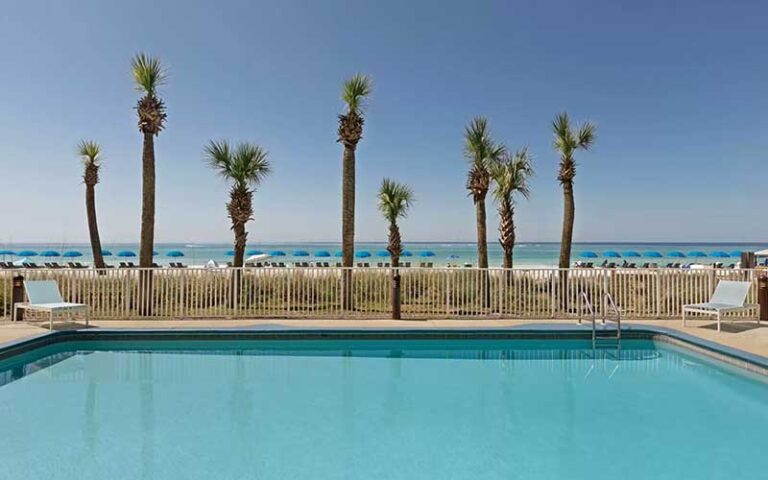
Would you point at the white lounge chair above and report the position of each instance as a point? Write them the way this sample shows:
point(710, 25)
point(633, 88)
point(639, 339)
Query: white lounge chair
point(44, 296)
point(729, 296)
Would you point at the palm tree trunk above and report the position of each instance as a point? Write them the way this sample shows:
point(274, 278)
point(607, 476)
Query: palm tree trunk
point(241, 237)
point(147, 224)
point(482, 251)
point(93, 227)
point(348, 224)
point(507, 263)
point(565, 242)
point(394, 236)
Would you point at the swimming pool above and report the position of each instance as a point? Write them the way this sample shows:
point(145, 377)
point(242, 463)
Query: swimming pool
point(323, 406)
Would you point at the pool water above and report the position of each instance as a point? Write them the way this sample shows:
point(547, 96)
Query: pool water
point(378, 409)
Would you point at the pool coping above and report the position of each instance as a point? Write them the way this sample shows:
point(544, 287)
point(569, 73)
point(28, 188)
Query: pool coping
point(733, 356)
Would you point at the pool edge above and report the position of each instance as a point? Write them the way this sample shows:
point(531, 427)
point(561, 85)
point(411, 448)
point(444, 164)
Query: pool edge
point(732, 356)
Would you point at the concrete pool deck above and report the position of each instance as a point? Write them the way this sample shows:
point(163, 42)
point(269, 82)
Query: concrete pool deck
point(746, 336)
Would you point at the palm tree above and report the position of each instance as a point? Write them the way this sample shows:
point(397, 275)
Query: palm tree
point(481, 151)
point(90, 153)
point(245, 166)
point(567, 141)
point(511, 174)
point(148, 74)
point(395, 199)
point(354, 93)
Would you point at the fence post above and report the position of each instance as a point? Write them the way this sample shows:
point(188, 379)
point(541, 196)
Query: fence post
point(658, 292)
point(552, 296)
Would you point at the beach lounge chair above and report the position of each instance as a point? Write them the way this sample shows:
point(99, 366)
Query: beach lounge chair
point(407, 264)
point(44, 296)
point(729, 296)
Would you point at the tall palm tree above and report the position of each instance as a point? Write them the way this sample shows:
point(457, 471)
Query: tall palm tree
point(481, 151)
point(245, 166)
point(354, 93)
point(567, 141)
point(395, 199)
point(511, 174)
point(148, 74)
point(90, 154)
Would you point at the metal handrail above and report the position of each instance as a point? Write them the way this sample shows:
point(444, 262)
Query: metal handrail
point(592, 314)
point(616, 311)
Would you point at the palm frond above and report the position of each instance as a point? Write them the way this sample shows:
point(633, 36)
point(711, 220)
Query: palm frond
point(511, 173)
point(251, 164)
point(564, 139)
point(148, 73)
point(479, 147)
point(586, 135)
point(395, 199)
point(218, 155)
point(245, 165)
point(355, 91)
point(90, 152)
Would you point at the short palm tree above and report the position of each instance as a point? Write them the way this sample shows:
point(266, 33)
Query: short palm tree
point(148, 74)
point(395, 199)
point(354, 93)
point(510, 174)
point(567, 141)
point(245, 166)
point(481, 151)
point(90, 154)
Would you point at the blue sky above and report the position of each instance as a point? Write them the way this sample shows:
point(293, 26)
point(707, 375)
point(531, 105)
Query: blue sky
point(678, 90)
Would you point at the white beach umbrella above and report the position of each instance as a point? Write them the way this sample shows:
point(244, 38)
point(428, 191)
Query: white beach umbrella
point(258, 258)
point(762, 253)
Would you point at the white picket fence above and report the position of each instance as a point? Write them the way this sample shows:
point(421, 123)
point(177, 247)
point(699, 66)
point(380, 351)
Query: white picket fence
point(316, 292)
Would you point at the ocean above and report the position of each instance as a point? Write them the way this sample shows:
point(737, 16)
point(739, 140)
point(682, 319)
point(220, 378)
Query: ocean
point(543, 254)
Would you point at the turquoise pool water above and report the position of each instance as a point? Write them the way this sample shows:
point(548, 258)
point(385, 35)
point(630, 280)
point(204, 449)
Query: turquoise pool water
point(406, 409)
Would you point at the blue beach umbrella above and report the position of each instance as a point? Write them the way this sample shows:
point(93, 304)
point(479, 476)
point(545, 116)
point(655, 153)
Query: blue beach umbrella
point(382, 253)
point(630, 253)
point(106, 253)
point(676, 254)
point(50, 253)
point(612, 254)
point(7, 252)
point(362, 254)
point(719, 254)
point(230, 253)
point(300, 253)
point(735, 253)
point(588, 255)
point(322, 253)
point(126, 253)
point(174, 253)
point(72, 254)
point(653, 254)
point(406, 253)
point(27, 253)
point(277, 253)
point(427, 253)
point(154, 252)
point(254, 252)
point(697, 253)
point(453, 256)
